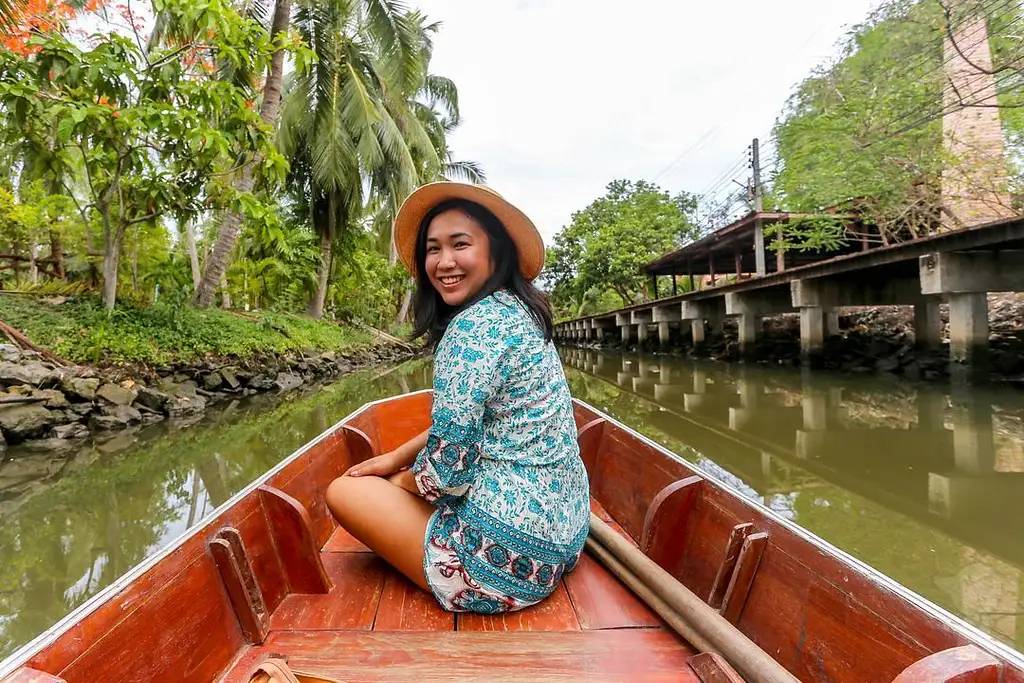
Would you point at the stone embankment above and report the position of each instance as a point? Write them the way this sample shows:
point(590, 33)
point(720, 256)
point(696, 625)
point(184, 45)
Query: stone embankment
point(47, 406)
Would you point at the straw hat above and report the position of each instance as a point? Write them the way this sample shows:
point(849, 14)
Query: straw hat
point(520, 228)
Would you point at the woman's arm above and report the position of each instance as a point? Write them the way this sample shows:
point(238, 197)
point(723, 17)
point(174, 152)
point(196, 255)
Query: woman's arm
point(392, 461)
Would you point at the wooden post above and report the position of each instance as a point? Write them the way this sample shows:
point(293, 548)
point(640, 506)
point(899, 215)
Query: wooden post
point(689, 271)
point(675, 291)
point(711, 265)
point(738, 263)
point(654, 279)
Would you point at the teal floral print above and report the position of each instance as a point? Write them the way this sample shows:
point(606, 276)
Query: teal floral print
point(501, 463)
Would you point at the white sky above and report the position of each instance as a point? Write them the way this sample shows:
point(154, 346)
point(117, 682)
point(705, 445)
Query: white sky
point(559, 97)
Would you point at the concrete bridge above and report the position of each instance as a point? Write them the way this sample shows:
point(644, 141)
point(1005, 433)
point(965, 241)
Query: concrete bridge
point(958, 268)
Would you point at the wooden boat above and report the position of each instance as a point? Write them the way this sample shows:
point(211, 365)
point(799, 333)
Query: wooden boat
point(269, 574)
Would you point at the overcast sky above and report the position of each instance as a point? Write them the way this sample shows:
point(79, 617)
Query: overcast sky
point(559, 97)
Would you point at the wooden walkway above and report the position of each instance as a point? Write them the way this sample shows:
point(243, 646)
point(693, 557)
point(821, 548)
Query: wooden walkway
point(957, 268)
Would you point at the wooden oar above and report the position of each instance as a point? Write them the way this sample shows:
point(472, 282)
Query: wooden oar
point(691, 617)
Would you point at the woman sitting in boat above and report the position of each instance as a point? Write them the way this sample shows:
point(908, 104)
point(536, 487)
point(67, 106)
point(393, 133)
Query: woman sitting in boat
point(490, 506)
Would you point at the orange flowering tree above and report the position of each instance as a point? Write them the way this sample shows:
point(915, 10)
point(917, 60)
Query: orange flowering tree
point(134, 135)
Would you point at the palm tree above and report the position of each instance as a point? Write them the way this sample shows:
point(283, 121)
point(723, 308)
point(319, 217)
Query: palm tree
point(230, 222)
point(347, 124)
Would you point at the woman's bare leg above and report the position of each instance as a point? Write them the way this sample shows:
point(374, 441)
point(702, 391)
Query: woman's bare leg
point(391, 521)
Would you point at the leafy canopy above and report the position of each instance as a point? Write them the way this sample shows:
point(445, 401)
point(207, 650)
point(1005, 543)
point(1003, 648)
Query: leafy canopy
point(607, 244)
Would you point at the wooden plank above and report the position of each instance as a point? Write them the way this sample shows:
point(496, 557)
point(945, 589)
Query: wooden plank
point(712, 668)
point(243, 590)
point(589, 438)
point(295, 541)
point(601, 601)
point(25, 675)
point(357, 583)
point(310, 495)
point(663, 538)
point(598, 509)
point(554, 613)
point(360, 447)
point(266, 565)
point(400, 419)
point(743, 578)
point(725, 570)
point(74, 642)
point(843, 641)
point(405, 606)
point(205, 637)
point(342, 541)
point(810, 564)
point(618, 656)
point(966, 664)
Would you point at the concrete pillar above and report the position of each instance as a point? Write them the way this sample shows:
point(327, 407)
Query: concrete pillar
point(697, 331)
point(968, 330)
point(641, 333)
point(749, 330)
point(927, 324)
point(664, 334)
point(831, 323)
point(974, 447)
point(599, 334)
point(812, 331)
point(627, 333)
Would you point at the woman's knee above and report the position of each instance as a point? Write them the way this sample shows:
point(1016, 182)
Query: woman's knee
point(344, 493)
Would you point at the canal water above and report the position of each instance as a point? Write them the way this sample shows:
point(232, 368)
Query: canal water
point(923, 484)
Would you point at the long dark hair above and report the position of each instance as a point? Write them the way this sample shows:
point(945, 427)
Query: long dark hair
point(432, 314)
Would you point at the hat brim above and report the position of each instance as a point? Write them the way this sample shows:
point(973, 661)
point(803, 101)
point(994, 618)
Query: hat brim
point(524, 234)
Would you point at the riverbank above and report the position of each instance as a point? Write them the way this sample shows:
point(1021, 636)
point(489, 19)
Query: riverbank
point(876, 339)
point(91, 372)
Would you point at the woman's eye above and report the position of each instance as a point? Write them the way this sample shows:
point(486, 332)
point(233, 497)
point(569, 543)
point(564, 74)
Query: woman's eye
point(460, 245)
point(432, 250)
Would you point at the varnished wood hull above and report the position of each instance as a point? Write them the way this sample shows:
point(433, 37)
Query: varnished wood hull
point(209, 606)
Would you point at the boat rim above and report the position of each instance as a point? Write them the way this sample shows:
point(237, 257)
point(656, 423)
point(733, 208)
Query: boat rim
point(972, 633)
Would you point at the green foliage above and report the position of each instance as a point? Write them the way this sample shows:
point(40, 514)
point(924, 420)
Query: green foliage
point(81, 330)
point(864, 132)
point(146, 133)
point(603, 250)
point(364, 287)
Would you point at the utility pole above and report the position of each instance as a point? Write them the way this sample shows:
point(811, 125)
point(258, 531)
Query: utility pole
point(755, 165)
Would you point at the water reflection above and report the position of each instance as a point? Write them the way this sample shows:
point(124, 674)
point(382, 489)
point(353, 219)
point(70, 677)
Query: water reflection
point(71, 525)
point(921, 484)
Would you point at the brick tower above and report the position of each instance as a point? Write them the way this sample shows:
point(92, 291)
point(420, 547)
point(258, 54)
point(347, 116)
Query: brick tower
point(974, 181)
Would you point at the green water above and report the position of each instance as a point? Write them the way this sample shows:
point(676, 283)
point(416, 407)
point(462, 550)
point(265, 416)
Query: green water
point(919, 483)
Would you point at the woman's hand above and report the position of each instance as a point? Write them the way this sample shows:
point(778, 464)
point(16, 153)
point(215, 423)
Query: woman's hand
point(380, 466)
point(406, 480)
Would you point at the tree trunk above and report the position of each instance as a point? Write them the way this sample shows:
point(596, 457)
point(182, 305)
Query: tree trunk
point(111, 259)
point(403, 312)
point(193, 254)
point(57, 254)
point(231, 221)
point(225, 295)
point(135, 262)
point(316, 306)
point(33, 267)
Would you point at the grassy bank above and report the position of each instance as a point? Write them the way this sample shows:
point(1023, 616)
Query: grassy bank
point(79, 330)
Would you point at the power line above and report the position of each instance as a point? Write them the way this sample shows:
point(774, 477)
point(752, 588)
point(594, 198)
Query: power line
point(685, 152)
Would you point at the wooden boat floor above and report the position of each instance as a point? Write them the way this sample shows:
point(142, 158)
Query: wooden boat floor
point(375, 625)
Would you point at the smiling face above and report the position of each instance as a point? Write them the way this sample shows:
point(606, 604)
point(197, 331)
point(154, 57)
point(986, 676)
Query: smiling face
point(458, 261)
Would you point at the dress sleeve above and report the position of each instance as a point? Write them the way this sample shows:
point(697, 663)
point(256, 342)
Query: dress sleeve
point(469, 368)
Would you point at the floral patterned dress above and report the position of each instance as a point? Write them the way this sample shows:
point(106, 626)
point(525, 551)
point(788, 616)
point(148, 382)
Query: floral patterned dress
point(501, 464)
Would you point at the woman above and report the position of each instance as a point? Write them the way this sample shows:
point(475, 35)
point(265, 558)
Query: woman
point(490, 506)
